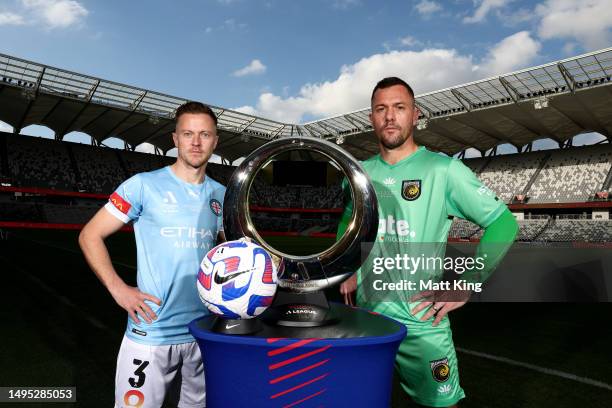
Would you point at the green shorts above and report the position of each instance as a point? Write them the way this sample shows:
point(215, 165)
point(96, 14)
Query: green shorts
point(427, 365)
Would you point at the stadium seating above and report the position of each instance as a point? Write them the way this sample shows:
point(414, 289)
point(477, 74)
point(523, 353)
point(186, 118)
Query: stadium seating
point(39, 162)
point(565, 175)
point(508, 175)
point(136, 162)
point(19, 212)
point(273, 196)
point(68, 214)
point(569, 175)
point(99, 169)
point(267, 222)
point(301, 223)
point(462, 229)
point(586, 230)
point(295, 197)
point(572, 175)
point(4, 171)
point(530, 229)
point(220, 172)
point(476, 164)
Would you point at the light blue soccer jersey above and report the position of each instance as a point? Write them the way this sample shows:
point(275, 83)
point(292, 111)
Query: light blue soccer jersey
point(175, 224)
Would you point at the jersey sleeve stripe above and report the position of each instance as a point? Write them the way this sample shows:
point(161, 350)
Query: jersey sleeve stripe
point(115, 212)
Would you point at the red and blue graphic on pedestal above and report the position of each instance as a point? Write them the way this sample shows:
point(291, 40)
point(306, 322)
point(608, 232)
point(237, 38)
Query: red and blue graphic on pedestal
point(346, 364)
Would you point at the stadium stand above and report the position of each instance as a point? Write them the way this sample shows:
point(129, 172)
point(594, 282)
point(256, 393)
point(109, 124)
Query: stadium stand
point(572, 175)
point(21, 212)
point(99, 168)
point(136, 162)
point(477, 164)
point(273, 196)
point(530, 229)
point(558, 176)
point(508, 175)
point(68, 214)
point(219, 172)
point(277, 222)
point(4, 169)
point(462, 229)
point(34, 162)
point(571, 230)
point(16, 210)
point(295, 197)
point(321, 197)
point(40, 162)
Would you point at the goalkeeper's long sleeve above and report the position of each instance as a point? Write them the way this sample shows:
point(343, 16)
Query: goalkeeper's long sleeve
point(494, 244)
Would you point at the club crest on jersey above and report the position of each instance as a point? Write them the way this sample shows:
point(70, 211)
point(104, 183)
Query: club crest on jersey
point(440, 370)
point(411, 189)
point(215, 207)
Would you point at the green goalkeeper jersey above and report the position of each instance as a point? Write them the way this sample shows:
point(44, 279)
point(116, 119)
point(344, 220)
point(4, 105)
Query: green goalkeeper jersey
point(417, 200)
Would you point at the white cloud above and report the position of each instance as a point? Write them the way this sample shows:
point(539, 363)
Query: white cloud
point(485, 6)
point(409, 41)
point(232, 25)
point(345, 4)
point(570, 48)
point(9, 18)
point(426, 7)
point(254, 68)
point(587, 21)
point(426, 70)
point(249, 110)
point(511, 53)
point(515, 17)
point(57, 13)
point(406, 42)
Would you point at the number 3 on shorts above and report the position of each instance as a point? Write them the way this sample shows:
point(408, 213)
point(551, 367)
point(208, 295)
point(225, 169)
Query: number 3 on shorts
point(139, 373)
point(135, 398)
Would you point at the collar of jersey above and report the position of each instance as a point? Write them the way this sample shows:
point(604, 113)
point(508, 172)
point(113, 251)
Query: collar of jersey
point(186, 184)
point(404, 160)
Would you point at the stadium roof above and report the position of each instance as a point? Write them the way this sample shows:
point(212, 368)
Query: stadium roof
point(557, 100)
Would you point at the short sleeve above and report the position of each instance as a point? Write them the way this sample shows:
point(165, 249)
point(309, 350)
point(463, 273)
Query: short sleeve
point(125, 202)
point(468, 198)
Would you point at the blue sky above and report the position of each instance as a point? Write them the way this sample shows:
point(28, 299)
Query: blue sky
point(298, 60)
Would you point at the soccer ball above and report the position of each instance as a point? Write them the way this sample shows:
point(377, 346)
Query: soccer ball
point(237, 280)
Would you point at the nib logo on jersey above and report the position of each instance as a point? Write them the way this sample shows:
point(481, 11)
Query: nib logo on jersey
point(392, 230)
point(188, 237)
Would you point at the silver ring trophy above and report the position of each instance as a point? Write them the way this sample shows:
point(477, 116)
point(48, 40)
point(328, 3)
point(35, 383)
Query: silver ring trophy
point(300, 300)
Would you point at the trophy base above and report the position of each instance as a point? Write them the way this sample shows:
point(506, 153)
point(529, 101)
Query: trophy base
point(236, 326)
point(299, 310)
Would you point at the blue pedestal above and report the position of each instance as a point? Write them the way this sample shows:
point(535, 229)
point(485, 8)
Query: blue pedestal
point(348, 364)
